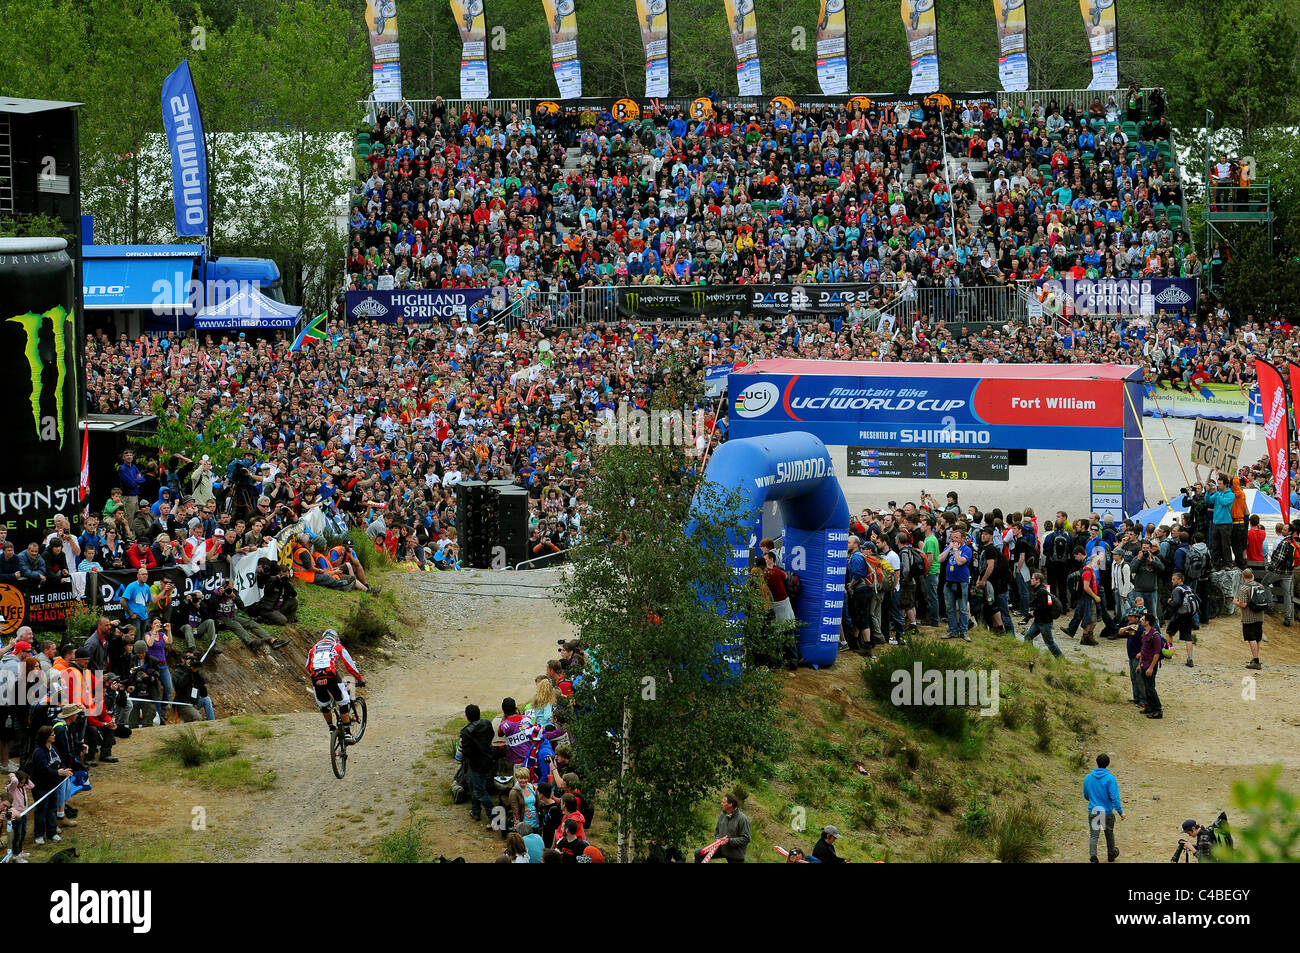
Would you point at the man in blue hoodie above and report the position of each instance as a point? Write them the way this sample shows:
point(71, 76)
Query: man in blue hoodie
point(1101, 791)
point(1221, 523)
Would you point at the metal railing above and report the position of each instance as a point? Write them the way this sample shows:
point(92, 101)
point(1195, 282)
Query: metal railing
point(968, 304)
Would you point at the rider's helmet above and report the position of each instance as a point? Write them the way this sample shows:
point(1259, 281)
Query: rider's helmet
point(329, 635)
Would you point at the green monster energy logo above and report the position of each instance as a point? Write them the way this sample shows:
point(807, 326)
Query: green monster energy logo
point(60, 321)
point(698, 298)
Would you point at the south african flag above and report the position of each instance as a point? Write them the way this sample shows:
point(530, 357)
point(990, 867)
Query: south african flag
point(314, 331)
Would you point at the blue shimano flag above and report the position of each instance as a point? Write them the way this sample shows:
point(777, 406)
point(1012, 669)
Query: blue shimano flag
point(180, 106)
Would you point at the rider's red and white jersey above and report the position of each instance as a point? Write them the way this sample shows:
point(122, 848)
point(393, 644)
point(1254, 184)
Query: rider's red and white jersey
point(324, 658)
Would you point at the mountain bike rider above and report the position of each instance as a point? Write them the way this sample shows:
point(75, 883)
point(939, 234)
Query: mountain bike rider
point(322, 668)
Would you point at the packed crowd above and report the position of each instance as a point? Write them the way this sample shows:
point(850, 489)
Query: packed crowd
point(486, 199)
point(520, 776)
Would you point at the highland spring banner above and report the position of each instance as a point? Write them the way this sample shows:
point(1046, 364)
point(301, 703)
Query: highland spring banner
point(473, 56)
point(562, 21)
point(652, 16)
point(922, 45)
point(1013, 58)
point(1099, 21)
point(832, 49)
point(744, 37)
point(381, 24)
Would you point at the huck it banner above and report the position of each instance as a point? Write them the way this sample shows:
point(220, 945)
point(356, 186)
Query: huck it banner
point(744, 37)
point(473, 52)
point(832, 49)
point(1013, 58)
point(184, 128)
point(652, 16)
point(922, 45)
point(1099, 21)
point(562, 21)
point(381, 24)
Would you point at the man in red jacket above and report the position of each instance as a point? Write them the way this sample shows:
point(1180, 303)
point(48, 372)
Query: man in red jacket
point(140, 556)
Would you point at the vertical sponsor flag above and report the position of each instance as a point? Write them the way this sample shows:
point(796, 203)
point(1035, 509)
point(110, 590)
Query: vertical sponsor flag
point(85, 463)
point(562, 21)
point(381, 24)
point(473, 53)
point(1273, 393)
point(1099, 21)
point(1013, 57)
point(832, 49)
point(922, 45)
point(184, 128)
point(652, 17)
point(744, 37)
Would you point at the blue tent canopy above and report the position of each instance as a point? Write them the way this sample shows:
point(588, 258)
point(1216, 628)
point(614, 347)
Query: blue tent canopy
point(247, 309)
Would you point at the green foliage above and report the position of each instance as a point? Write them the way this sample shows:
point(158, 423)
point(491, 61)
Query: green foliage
point(977, 821)
point(1270, 832)
point(368, 554)
point(364, 626)
point(642, 597)
point(405, 845)
point(187, 749)
point(1042, 722)
point(1020, 834)
point(883, 673)
point(33, 226)
point(177, 434)
point(77, 625)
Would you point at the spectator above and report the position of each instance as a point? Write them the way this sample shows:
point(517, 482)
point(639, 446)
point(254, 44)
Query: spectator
point(824, 849)
point(480, 760)
point(223, 608)
point(532, 841)
point(48, 772)
point(734, 826)
point(1149, 662)
point(1251, 599)
point(192, 688)
point(32, 566)
point(1041, 600)
point(137, 597)
point(1101, 791)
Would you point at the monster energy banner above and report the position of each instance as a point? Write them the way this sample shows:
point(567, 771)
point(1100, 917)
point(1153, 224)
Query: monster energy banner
point(744, 37)
point(656, 301)
point(652, 17)
point(832, 49)
point(42, 380)
point(1013, 58)
point(562, 20)
point(473, 56)
point(381, 24)
point(1099, 21)
point(922, 45)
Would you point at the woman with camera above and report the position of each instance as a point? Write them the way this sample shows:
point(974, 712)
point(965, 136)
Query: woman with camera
point(156, 640)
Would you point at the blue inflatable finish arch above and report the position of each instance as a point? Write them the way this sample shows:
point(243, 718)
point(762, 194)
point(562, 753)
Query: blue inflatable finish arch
point(795, 469)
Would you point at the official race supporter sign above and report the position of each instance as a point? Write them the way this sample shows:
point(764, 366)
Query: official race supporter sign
point(423, 306)
point(1216, 446)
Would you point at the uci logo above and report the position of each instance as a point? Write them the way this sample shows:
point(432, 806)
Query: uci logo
point(757, 399)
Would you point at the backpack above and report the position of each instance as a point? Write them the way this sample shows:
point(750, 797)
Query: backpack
point(880, 575)
point(1282, 560)
point(792, 586)
point(1258, 599)
point(1074, 582)
point(916, 566)
point(1194, 563)
point(1054, 604)
point(1190, 604)
point(1060, 551)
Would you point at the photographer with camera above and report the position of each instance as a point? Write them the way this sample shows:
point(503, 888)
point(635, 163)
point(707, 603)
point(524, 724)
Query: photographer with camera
point(192, 688)
point(1203, 840)
point(193, 624)
point(143, 682)
point(279, 602)
point(223, 608)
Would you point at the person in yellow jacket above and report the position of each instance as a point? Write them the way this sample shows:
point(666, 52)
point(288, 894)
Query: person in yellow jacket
point(1240, 514)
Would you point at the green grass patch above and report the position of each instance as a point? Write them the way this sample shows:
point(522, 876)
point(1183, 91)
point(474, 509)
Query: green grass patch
point(889, 677)
point(176, 848)
point(1019, 835)
point(253, 726)
point(209, 759)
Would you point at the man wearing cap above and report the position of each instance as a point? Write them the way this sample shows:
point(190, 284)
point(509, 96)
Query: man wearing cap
point(824, 851)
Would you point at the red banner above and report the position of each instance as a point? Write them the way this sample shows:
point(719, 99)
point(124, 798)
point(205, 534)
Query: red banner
point(1272, 392)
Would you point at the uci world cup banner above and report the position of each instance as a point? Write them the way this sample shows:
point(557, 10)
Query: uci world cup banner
point(562, 21)
point(832, 49)
point(1013, 57)
point(473, 48)
point(1099, 21)
point(381, 24)
point(652, 16)
point(744, 37)
point(922, 45)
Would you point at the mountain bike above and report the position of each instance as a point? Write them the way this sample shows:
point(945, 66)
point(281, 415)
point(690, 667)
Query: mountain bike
point(344, 736)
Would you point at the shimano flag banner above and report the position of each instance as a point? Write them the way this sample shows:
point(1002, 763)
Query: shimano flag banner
point(1013, 58)
point(473, 55)
point(652, 17)
point(922, 45)
point(1099, 21)
point(1272, 391)
point(562, 21)
point(744, 37)
point(832, 49)
point(381, 24)
point(184, 128)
